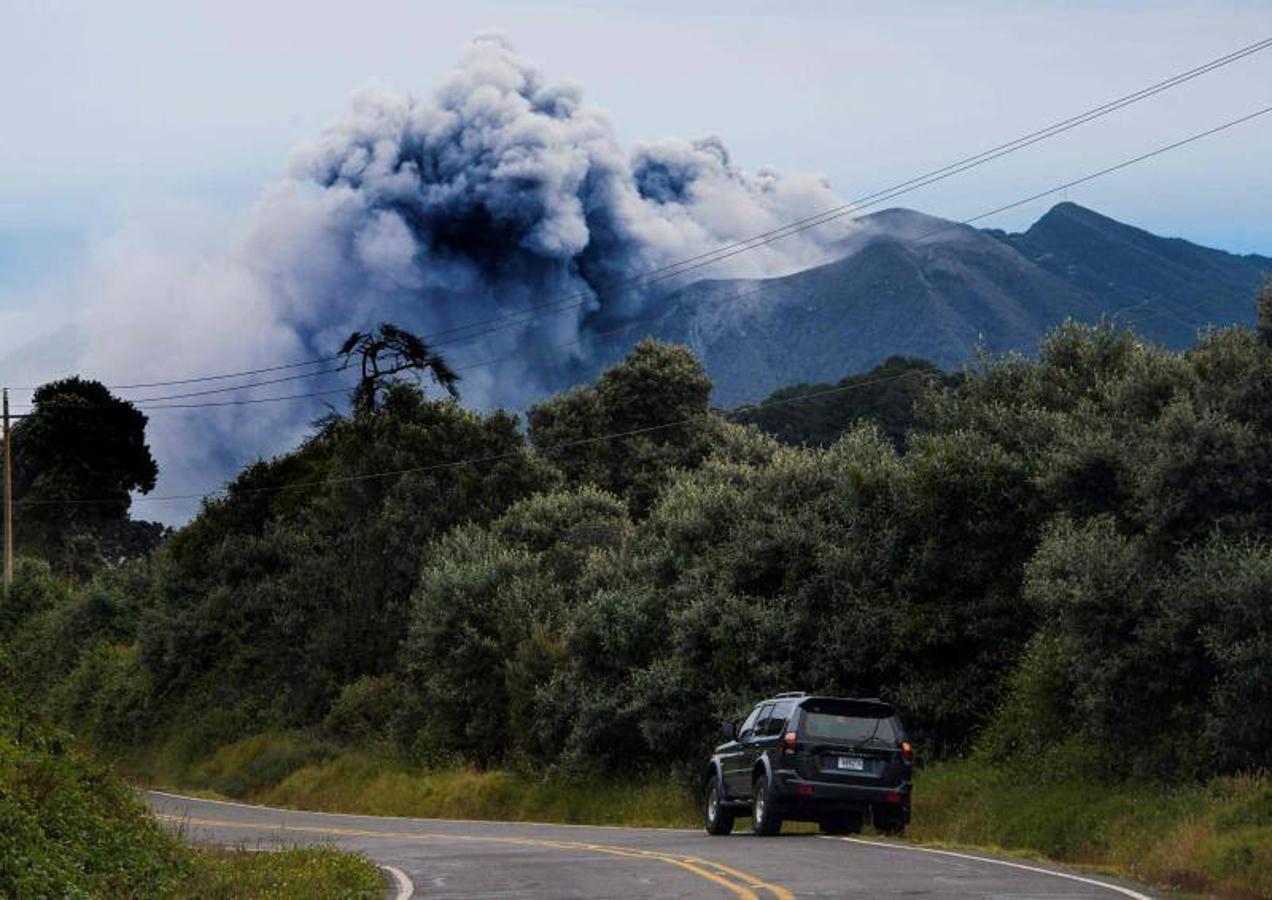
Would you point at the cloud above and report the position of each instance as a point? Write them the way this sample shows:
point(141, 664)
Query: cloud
point(498, 192)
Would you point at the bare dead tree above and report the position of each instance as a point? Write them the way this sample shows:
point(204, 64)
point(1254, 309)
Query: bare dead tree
point(386, 353)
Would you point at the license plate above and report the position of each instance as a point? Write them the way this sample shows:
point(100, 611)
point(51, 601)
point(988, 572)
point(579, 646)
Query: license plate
point(851, 763)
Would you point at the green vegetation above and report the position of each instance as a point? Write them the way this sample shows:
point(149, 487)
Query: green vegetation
point(1213, 839)
point(885, 396)
point(300, 873)
point(1067, 557)
point(68, 828)
point(81, 443)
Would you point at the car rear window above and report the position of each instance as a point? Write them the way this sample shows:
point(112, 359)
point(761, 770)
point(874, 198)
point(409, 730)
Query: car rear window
point(850, 722)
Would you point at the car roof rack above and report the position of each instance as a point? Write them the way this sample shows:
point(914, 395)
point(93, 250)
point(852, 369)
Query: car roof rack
point(787, 694)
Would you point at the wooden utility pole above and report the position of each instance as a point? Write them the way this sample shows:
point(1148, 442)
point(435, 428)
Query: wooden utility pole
point(8, 499)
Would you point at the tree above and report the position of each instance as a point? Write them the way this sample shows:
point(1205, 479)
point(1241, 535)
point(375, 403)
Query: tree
point(644, 417)
point(385, 353)
point(272, 606)
point(1264, 301)
point(817, 414)
point(77, 457)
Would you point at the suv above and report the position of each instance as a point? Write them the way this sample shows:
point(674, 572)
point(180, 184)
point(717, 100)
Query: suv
point(830, 760)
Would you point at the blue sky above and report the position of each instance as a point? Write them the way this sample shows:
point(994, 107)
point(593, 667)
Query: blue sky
point(157, 124)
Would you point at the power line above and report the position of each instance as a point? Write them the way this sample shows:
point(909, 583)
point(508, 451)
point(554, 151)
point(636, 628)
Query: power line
point(1105, 171)
point(683, 266)
point(238, 387)
point(203, 378)
point(495, 457)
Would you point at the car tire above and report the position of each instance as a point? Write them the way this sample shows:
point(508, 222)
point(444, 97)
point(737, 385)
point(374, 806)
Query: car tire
point(717, 818)
point(765, 819)
point(845, 823)
point(890, 822)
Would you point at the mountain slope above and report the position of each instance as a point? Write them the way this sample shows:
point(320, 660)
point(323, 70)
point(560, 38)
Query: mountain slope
point(1165, 288)
point(915, 285)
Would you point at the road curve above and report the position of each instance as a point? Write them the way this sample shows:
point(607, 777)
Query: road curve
point(465, 859)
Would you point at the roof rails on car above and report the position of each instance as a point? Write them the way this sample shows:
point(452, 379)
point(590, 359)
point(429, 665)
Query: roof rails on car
point(787, 694)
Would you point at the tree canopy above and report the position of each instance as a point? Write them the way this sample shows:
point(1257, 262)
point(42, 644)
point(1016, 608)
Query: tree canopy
point(78, 456)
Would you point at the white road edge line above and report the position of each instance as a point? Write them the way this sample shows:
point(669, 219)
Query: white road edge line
point(310, 812)
point(1117, 888)
point(405, 889)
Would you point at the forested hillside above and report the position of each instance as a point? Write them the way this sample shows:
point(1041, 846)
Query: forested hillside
point(820, 413)
point(1072, 551)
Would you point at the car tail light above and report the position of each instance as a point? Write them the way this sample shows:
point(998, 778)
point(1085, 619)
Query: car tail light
point(907, 752)
point(891, 798)
point(803, 790)
point(788, 742)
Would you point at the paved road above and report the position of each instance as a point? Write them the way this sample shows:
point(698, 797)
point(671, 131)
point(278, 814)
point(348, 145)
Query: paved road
point(443, 858)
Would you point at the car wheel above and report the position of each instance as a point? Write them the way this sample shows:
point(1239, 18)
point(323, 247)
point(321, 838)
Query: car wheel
point(765, 818)
point(846, 823)
point(890, 822)
point(717, 818)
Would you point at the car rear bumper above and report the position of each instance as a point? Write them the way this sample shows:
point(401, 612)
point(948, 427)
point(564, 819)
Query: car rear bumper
point(802, 795)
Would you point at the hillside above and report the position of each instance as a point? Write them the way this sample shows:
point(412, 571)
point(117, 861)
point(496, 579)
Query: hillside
point(1166, 288)
point(817, 414)
point(916, 285)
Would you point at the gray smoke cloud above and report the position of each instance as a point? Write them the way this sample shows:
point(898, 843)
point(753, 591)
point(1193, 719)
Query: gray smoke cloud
point(499, 192)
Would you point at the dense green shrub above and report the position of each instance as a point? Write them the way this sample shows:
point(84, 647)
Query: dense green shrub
point(35, 590)
point(1170, 660)
point(366, 710)
point(489, 620)
point(274, 605)
point(656, 399)
point(107, 698)
point(67, 829)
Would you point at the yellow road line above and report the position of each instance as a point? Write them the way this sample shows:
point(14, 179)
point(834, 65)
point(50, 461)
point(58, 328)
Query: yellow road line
point(777, 891)
point(742, 884)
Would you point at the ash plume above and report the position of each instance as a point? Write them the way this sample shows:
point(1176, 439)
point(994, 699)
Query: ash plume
point(499, 192)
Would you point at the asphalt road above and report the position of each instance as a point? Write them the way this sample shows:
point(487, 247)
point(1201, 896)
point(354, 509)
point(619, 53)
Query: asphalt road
point(445, 858)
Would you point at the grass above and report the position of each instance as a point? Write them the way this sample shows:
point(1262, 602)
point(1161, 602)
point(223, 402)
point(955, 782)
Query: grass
point(1214, 838)
point(1211, 839)
point(295, 874)
point(364, 784)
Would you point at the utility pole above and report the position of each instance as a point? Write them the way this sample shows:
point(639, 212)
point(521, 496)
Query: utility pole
point(8, 499)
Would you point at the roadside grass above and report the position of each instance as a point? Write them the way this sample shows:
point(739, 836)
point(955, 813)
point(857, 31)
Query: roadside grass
point(1214, 838)
point(365, 784)
point(1211, 839)
point(294, 874)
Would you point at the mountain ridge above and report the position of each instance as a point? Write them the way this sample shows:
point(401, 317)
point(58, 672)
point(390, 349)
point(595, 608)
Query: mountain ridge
point(915, 285)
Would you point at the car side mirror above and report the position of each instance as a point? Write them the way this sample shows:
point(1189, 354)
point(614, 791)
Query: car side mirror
point(730, 731)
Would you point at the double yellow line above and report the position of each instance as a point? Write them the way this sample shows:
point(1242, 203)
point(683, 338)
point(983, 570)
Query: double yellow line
point(742, 884)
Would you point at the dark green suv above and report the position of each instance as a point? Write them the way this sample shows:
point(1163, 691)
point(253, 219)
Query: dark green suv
point(831, 760)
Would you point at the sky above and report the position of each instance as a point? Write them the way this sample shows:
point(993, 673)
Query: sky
point(151, 130)
point(159, 123)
